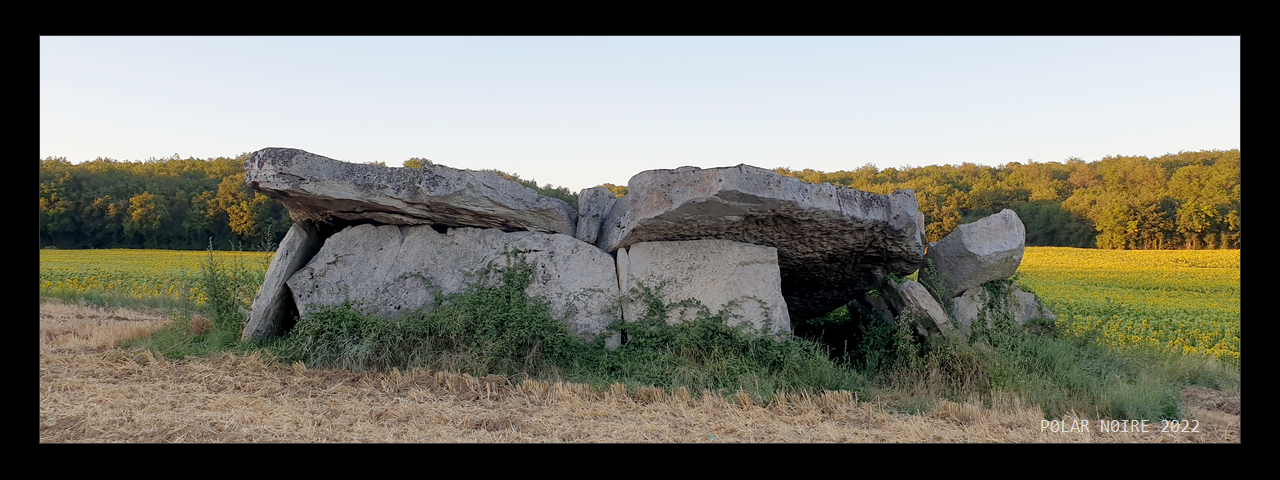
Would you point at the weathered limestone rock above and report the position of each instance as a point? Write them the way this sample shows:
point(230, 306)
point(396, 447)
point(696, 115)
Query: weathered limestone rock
point(911, 300)
point(397, 269)
point(273, 310)
point(1023, 306)
point(968, 307)
point(322, 189)
point(831, 240)
point(978, 252)
point(1029, 308)
point(594, 205)
point(713, 272)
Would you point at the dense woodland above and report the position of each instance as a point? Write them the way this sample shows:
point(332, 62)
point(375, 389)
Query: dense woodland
point(1188, 200)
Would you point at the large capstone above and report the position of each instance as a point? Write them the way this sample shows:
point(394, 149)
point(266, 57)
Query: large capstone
point(393, 270)
point(976, 253)
point(323, 189)
point(831, 241)
point(717, 274)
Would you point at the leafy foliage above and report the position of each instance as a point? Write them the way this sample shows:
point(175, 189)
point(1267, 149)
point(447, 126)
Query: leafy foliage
point(1184, 200)
point(169, 203)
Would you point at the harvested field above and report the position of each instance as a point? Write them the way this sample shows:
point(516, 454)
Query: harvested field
point(91, 391)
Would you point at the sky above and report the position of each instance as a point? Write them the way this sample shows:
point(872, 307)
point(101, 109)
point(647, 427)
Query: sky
point(577, 112)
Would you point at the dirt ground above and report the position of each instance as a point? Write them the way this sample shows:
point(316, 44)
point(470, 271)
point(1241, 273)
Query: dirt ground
point(91, 391)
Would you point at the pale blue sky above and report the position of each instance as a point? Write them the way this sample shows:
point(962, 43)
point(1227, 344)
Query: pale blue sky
point(580, 111)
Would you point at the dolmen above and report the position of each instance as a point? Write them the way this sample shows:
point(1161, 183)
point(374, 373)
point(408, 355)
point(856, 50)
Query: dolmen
point(767, 249)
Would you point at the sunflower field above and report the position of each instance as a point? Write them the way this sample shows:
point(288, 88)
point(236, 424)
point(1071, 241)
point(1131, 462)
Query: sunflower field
point(139, 274)
point(1173, 301)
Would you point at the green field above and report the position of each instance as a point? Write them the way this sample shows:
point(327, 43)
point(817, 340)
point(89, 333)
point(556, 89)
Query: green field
point(144, 277)
point(1176, 301)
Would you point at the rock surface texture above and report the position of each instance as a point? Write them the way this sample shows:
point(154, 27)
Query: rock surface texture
point(716, 273)
point(1023, 307)
point(397, 269)
point(831, 241)
point(772, 249)
point(975, 253)
point(324, 190)
point(273, 309)
point(594, 205)
point(911, 300)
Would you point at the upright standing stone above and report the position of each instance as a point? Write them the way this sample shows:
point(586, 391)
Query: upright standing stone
point(399, 269)
point(715, 273)
point(594, 205)
point(273, 307)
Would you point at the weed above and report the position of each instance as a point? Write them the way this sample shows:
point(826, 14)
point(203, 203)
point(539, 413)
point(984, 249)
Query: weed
point(936, 283)
point(227, 288)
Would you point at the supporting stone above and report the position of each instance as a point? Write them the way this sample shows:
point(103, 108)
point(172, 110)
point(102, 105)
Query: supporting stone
point(594, 205)
point(273, 308)
point(718, 274)
point(399, 269)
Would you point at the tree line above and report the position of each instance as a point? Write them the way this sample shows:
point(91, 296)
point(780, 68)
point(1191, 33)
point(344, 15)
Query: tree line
point(1186, 200)
point(170, 203)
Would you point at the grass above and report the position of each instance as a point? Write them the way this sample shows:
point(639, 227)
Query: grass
point(1062, 372)
point(210, 318)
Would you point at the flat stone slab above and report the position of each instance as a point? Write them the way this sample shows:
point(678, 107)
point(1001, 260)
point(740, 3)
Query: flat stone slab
point(323, 189)
point(831, 240)
point(398, 269)
point(718, 274)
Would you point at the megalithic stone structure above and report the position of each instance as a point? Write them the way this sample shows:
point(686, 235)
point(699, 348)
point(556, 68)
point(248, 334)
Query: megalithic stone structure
point(832, 242)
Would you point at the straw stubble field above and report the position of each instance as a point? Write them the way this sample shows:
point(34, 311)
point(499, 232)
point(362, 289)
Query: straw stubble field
point(91, 391)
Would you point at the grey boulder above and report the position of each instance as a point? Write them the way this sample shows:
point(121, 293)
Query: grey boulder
point(594, 205)
point(978, 252)
point(398, 269)
point(1022, 307)
point(911, 301)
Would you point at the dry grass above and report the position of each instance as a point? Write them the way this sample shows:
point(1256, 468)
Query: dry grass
point(93, 392)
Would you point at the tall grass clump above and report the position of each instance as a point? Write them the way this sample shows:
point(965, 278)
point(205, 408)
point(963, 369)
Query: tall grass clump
point(211, 318)
point(1061, 374)
point(709, 352)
